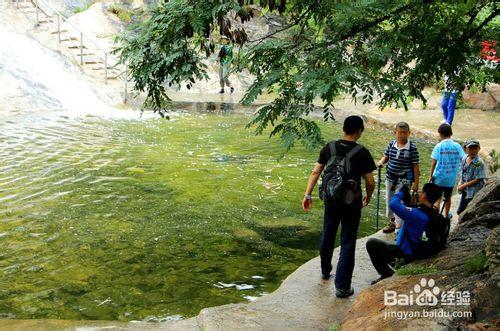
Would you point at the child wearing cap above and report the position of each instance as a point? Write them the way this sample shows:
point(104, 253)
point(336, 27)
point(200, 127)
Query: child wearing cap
point(472, 174)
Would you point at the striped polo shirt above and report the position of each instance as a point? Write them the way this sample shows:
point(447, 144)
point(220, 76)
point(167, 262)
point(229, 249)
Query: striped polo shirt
point(401, 160)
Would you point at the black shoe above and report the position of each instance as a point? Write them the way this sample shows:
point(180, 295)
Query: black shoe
point(379, 279)
point(344, 292)
point(221, 91)
point(325, 276)
point(232, 89)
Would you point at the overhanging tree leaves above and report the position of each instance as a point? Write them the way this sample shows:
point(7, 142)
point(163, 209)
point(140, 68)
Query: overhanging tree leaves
point(384, 50)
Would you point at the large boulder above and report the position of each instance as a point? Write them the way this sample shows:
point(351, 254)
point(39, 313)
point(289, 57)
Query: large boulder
point(489, 100)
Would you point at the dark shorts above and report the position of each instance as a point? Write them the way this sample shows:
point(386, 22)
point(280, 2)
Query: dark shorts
point(446, 191)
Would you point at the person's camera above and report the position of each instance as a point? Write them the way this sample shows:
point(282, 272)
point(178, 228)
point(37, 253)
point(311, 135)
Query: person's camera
point(406, 194)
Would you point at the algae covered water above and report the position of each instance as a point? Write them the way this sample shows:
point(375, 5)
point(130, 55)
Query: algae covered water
point(152, 219)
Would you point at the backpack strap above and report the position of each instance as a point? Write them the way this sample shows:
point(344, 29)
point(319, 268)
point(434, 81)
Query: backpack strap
point(349, 155)
point(332, 145)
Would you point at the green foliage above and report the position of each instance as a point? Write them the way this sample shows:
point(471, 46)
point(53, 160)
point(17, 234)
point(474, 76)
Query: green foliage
point(383, 51)
point(494, 164)
point(123, 14)
point(335, 326)
point(476, 264)
point(85, 6)
point(415, 269)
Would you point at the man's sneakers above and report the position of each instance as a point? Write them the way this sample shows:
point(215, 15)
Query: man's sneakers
point(379, 279)
point(325, 276)
point(231, 89)
point(344, 292)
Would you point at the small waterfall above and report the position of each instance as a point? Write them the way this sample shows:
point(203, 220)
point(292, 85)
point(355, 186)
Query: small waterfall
point(48, 79)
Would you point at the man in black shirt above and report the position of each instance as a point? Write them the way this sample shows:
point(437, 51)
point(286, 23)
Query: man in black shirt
point(348, 216)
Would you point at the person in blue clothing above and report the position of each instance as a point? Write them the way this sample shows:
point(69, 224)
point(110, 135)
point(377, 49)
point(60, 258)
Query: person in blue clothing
point(383, 254)
point(473, 174)
point(445, 163)
point(449, 100)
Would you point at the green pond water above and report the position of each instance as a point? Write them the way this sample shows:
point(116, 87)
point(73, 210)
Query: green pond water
point(152, 219)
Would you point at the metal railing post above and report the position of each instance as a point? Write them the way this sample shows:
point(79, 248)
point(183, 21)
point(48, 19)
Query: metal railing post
point(36, 9)
point(81, 48)
point(106, 67)
point(59, 27)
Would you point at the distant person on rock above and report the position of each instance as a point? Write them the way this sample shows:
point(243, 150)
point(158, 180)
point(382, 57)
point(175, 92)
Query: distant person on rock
point(344, 163)
point(449, 100)
point(402, 159)
point(445, 163)
point(225, 57)
point(415, 221)
point(472, 174)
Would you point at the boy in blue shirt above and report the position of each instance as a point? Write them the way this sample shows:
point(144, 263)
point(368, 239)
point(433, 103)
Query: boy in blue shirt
point(445, 164)
point(472, 174)
point(383, 254)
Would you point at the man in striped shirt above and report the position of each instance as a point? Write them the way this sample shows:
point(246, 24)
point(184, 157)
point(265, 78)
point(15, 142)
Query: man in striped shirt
point(402, 161)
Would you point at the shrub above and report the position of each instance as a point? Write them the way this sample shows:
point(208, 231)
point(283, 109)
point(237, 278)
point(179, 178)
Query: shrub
point(85, 6)
point(123, 14)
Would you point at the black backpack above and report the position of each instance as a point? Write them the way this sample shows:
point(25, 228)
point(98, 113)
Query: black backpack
point(437, 231)
point(338, 186)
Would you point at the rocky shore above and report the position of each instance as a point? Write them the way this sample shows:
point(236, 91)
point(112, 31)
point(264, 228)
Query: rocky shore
point(470, 265)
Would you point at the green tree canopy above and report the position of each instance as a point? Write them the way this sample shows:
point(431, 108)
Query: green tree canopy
point(383, 50)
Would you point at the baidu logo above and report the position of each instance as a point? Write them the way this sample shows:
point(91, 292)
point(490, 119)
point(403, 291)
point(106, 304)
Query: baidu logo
point(427, 293)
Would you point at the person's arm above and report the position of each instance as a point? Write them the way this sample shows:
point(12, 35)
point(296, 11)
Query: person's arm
point(416, 175)
point(467, 184)
point(382, 161)
point(313, 179)
point(433, 166)
point(400, 209)
point(370, 187)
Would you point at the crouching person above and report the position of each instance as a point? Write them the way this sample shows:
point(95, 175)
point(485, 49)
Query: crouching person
point(415, 220)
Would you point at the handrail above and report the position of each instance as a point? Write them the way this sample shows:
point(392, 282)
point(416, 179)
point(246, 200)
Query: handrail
point(60, 17)
point(65, 20)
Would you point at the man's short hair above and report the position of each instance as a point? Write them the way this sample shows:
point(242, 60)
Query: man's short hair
point(432, 192)
point(352, 124)
point(402, 126)
point(445, 130)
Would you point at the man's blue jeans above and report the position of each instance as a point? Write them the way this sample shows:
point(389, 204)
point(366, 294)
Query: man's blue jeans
point(448, 104)
point(348, 218)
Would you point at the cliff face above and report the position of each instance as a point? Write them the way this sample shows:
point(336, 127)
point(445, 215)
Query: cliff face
point(470, 265)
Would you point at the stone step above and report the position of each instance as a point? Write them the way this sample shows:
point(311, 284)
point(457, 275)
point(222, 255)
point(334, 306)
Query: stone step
point(92, 61)
point(69, 38)
point(62, 31)
point(76, 47)
point(43, 21)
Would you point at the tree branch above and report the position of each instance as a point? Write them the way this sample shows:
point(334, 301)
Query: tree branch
point(482, 25)
point(368, 25)
point(297, 21)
